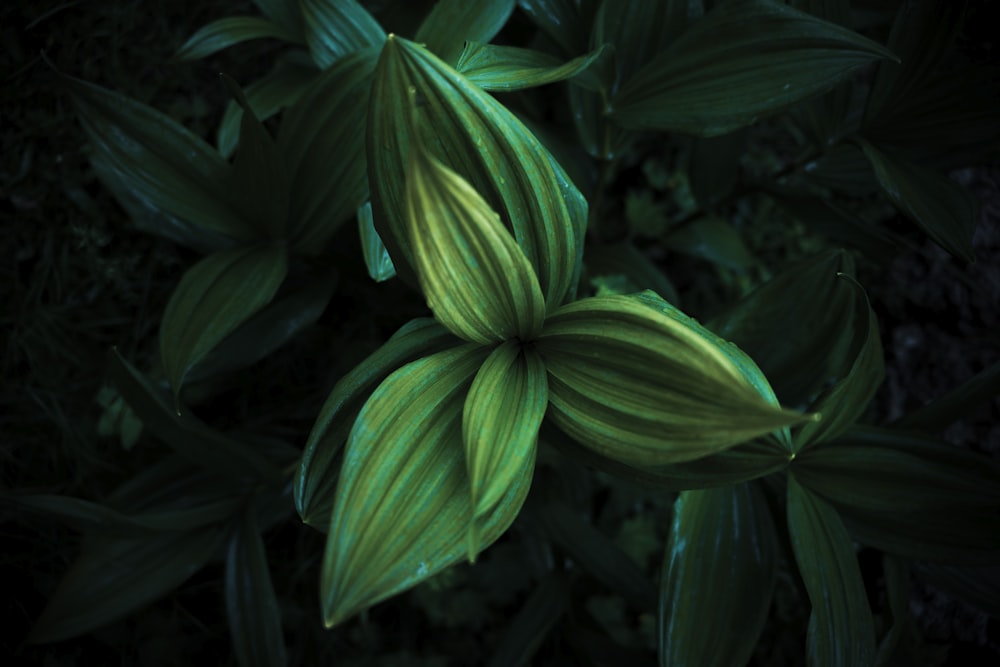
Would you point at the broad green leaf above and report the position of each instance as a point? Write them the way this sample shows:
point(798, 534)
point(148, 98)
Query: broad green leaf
point(563, 21)
point(646, 388)
point(226, 32)
point(959, 402)
point(252, 607)
point(744, 60)
point(403, 506)
point(477, 281)
point(909, 495)
point(627, 260)
point(475, 136)
point(841, 630)
point(322, 139)
point(718, 572)
point(316, 479)
point(158, 161)
point(281, 87)
point(185, 434)
point(500, 422)
point(373, 251)
point(533, 622)
point(598, 554)
point(337, 29)
point(113, 577)
point(638, 31)
point(506, 68)
point(945, 210)
point(712, 239)
point(842, 404)
point(453, 23)
point(213, 299)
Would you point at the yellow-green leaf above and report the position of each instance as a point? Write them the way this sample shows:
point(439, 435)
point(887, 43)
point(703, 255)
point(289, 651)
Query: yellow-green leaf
point(477, 281)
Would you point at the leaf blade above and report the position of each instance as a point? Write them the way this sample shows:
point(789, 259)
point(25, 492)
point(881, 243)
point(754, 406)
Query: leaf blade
point(225, 32)
point(453, 23)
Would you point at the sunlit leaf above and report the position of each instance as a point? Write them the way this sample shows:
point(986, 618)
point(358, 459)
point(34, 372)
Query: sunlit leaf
point(226, 32)
point(337, 29)
point(744, 60)
point(505, 68)
point(721, 548)
point(214, 297)
point(841, 630)
point(373, 251)
point(453, 23)
point(477, 281)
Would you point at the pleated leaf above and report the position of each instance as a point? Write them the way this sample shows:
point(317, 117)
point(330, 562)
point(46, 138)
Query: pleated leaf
point(475, 136)
point(477, 281)
point(638, 31)
point(229, 31)
point(841, 630)
point(159, 162)
point(718, 572)
point(506, 68)
point(316, 479)
point(910, 495)
point(945, 210)
point(453, 23)
point(337, 29)
point(500, 422)
point(214, 297)
point(373, 251)
point(744, 60)
point(252, 607)
point(403, 504)
point(640, 386)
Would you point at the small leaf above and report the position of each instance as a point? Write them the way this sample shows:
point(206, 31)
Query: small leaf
point(477, 281)
point(229, 31)
point(940, 206)
point(533, 622)
point(403, 503)
point(841, 630)
point(376, 257)
point(453, 23)
point(251, 606)
point(721, 548)
point(316, 479)
point(743, 60)
point(213, 299)
point(337, 29)
point(647, 388)
point(712, 239)
point(506, 68)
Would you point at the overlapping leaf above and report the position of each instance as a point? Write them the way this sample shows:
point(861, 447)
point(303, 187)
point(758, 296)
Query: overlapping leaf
point(472, 134)
point(744, 60)
point(564, 21)
point(453, 23)
point(476, 279)
point(506, 68)
point(337, 29)
point(403, 503)
point(638, 31)
point(373, 251)
point(721, 548)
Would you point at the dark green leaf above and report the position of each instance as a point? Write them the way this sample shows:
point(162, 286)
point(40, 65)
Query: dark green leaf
point(638, 31)
point(452, 23)
point(841, 630)
point(251, 605)
point(337, 29)
point(286, 13)
point(744, 60)
point(897, 593)
point(843, 169)
point(213, 299)
point(718, 572)
point(316, 479)
point(840, 225)
point(505, 68)
point(712, 239)
point(562, 21)
point(979, 586)
point(374, 252)
point(957, 403)
point(714, 166)
point(626, 260)
point(540, 612)
point(226, 32)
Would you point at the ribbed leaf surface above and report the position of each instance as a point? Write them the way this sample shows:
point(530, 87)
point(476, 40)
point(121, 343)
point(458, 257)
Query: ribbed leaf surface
point(226, 32)
point(505, 68)
point(337, 29)
point(453, 23)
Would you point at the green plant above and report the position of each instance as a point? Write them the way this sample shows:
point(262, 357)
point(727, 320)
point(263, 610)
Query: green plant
point(556, 340)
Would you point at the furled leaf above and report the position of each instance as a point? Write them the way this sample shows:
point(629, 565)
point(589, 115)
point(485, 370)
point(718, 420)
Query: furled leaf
point(909, 495)
point(114, 577)
point(648, 388)
point(226, 32)
point(337, 29)
point(533, 622)
point(316, 479)
point(214, 297)
point(474, 135)
point(403, 504)
point(841, 630)
point(505, 68)
point(743, 60)
point(638, 31)
point(251, 605)
point(959, 402)
point(322, 139)
point(477, 281)
point(718, 572)
point(500, 422)
point(940, 206)
point(842, 404)
point(158, 161)
point(453, 23)
point(713, 239)
point(376, 257)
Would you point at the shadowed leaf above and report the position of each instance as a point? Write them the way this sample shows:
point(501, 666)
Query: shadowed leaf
point(453, 23)
point(226, 32)
point(337, 29)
